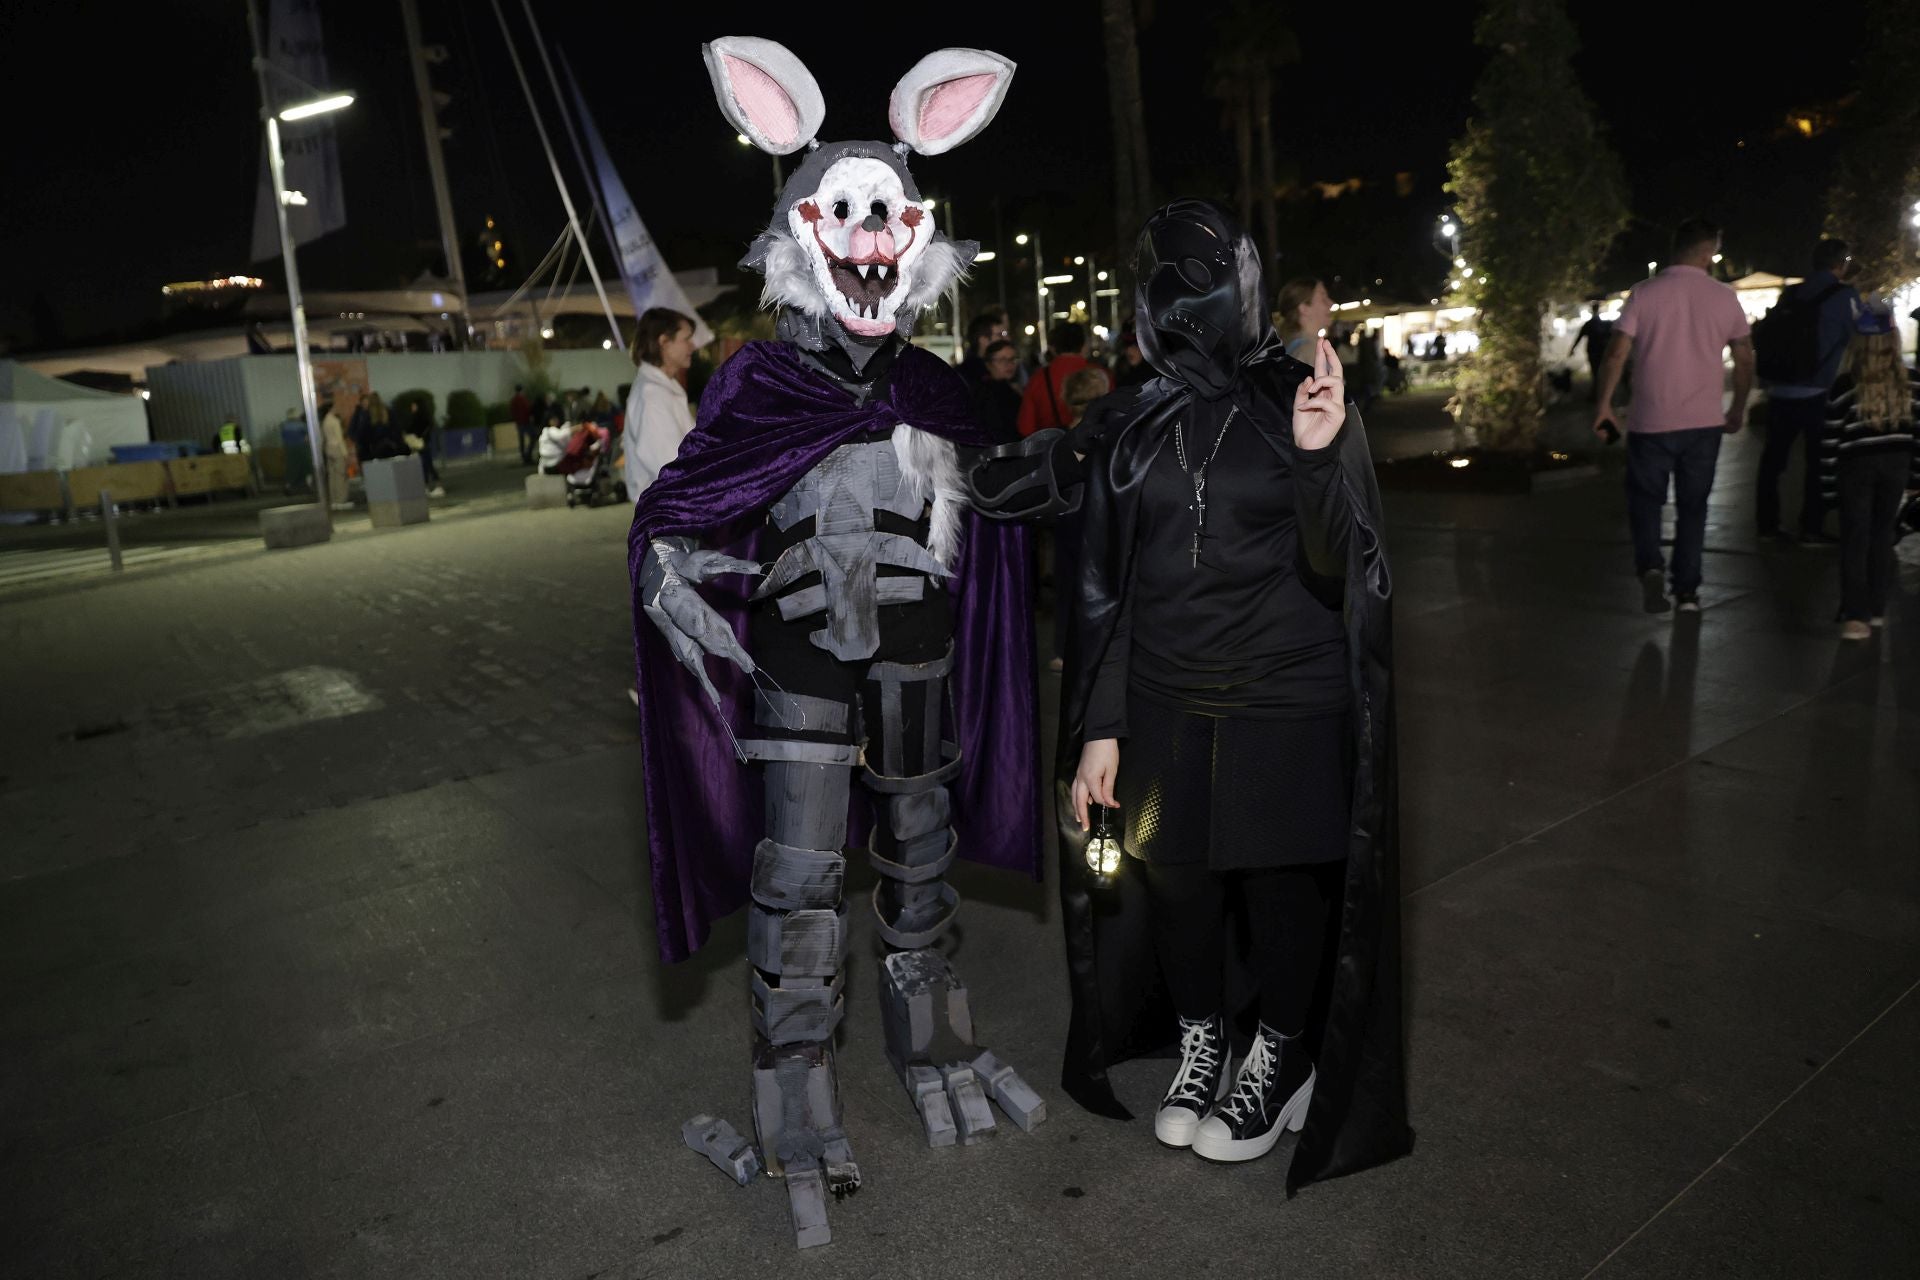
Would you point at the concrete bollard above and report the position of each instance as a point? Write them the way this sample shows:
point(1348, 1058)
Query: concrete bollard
point(546, 491)
point(396, 491)
point(300, 526)
point(110, 520)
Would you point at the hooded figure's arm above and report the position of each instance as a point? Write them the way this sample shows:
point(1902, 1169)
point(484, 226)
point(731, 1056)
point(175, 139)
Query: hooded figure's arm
point(1330, 488)
point(1044, 474)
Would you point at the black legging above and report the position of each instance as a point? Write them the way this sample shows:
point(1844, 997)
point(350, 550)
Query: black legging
point(1287, 917)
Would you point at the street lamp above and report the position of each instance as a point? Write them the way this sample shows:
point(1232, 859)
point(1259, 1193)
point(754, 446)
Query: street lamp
point(1039, 285)
point(745, 141)
point(320, 104)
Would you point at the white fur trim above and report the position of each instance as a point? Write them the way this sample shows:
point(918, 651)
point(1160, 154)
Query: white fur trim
point(905, 107)
point(932, 466)
point(939, 266)
point(789, 272)
point(785, 70)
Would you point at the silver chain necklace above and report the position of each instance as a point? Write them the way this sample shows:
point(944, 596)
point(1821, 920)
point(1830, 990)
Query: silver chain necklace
point(1199, 477)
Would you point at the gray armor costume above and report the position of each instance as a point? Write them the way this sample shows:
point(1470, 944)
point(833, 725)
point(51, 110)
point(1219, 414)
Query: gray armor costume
point(852, 638)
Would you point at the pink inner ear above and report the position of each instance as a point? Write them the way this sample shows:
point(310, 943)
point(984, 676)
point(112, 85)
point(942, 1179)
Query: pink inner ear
point(946, 107)
point(765, 103)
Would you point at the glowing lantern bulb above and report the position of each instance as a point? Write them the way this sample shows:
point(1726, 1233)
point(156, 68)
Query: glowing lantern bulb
point(1103, 847)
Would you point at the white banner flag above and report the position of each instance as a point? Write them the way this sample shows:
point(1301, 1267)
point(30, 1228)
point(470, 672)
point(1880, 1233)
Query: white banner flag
point(306, 146)
point(649, 282)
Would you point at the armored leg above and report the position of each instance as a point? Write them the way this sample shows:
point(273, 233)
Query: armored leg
point(797, 944)
point(924, 1007)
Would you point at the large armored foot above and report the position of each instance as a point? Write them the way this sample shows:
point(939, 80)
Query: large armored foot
point(929, 1030)
point(796, 1112)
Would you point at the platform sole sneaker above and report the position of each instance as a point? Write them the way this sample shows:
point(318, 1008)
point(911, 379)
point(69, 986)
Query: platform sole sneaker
point(1199, 1082)
point(1175, 1126)
point(1216, 1141)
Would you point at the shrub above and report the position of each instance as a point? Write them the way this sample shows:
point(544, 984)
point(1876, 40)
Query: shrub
point(463, 410)
point(499, 411)
point(401, 406)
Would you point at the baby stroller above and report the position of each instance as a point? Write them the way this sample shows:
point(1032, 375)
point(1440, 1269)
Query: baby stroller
point(588, 466)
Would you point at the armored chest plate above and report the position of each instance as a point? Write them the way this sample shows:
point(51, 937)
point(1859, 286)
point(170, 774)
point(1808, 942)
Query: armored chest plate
point(841, 496)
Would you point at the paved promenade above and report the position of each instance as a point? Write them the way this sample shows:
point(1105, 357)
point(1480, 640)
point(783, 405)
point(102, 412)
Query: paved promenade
point(325, 943)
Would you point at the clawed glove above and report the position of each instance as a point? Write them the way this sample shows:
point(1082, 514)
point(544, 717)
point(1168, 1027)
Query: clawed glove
point(693, 630)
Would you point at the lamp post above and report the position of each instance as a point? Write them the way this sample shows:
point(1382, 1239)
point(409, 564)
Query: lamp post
point(320, 104)
point(1040, 316)
point(778, 182)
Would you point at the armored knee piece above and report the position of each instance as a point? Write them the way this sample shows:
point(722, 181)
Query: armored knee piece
point(909, 768)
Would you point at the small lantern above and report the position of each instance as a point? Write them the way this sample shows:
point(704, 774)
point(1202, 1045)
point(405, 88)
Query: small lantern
point(1103, 846)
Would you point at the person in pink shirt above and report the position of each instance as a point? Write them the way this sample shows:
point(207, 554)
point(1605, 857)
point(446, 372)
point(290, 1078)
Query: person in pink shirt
point(1676, 327)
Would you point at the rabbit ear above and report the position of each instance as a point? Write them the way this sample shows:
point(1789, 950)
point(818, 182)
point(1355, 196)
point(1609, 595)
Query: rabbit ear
point(765, 92)
point(949, 96)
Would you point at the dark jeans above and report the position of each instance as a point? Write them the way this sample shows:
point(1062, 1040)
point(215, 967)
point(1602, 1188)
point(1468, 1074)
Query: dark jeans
point(428, 471)
point(1789, 420)
point(529, 438)
point(1688, 458)
point(1871, 485)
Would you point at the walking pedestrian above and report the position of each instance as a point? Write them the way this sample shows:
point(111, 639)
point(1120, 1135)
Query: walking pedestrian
point(658, 415)
point(1305, 307)
point(1798, 349)
point(333, 442)
point(1676, 327)
point(524, 424)
point(422, 426)
point(1868, 460)
point(1595, 332)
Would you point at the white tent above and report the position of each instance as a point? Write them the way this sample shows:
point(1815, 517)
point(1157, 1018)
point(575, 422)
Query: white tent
point(50, 425)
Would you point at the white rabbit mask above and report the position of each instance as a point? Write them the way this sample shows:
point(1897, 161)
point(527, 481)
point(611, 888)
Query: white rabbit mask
point(853, 253)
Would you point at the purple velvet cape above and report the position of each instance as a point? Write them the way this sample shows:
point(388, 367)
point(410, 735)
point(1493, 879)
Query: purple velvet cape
point(765, 420)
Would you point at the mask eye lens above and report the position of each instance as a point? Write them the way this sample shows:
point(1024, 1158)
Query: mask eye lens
point(878, 209)
point(1195, 273)
point(840, 210)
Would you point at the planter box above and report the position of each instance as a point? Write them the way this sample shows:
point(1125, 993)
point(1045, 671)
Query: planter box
point(457, 444)
point(32, 491)
point(210, 473)
point(126, 481)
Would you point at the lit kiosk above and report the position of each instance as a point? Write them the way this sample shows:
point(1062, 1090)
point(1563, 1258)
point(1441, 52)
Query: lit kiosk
point(294, 526)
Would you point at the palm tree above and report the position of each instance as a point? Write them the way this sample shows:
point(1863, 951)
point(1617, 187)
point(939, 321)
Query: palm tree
point(1132, 175)
point(1254, 42)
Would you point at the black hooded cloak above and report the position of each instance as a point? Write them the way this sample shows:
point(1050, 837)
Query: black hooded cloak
point(1210, 349)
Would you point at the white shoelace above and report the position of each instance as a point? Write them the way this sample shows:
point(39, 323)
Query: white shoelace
point(1256, 1077)
point(1199, 1060)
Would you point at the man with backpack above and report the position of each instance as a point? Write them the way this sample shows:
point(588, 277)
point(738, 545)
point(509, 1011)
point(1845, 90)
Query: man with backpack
point(1676, 327)
point(1798, 346)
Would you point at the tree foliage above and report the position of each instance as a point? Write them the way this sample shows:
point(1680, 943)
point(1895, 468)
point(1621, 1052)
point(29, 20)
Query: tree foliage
point(1877, 178)
point(1540, 194)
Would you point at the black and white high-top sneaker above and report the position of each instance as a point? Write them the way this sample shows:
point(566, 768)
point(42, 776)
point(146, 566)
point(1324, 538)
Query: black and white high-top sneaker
point(1197, 1085)
point(1269, 1097)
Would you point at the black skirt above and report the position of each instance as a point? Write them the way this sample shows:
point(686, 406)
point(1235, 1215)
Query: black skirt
point(1234, 793)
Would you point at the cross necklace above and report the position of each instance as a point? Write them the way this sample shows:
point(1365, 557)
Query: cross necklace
point(1199, 477)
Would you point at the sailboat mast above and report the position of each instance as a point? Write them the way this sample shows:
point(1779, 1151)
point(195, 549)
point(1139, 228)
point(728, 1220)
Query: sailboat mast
point(437, 167)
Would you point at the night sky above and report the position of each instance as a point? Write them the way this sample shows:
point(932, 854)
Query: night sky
point(135, 137)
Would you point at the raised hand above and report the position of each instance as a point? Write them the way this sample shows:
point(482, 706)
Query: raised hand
point(1320, 401)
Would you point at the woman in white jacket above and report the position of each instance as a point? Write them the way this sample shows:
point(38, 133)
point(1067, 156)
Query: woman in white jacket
point(658, 415)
